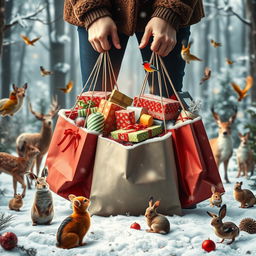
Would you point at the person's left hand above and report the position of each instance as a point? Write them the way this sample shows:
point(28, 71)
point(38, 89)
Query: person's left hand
point(164, 36)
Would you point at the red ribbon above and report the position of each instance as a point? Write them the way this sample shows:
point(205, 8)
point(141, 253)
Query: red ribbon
point(135, 128)
point(75, 137)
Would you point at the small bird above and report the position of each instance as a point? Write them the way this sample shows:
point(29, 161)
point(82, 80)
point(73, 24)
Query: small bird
point(149, 67)
point(229, 62)
point(186, 55)
point(215, 44)
point(9, 105)
point(207, 75)
point(45, 72)
point(68, 87)
point(242, 92)
point(28, 41)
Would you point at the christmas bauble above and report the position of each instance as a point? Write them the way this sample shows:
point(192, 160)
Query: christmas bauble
point(135, 225)
point(8, 240)
point(95, 122)
point(208, 245)
point(80, 121)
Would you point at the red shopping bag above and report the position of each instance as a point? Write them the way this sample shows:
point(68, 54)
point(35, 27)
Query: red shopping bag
point(197, 169)
point(70, 158)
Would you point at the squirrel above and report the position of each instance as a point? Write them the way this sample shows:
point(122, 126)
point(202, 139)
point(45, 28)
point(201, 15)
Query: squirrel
point(16, 202)
point(73, 229)
point(244, 196)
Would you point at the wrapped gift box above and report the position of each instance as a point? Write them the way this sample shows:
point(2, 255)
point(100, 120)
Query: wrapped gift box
point(168, 111)
point(78, 112)
point(108, 109)
point(121, 99)
point(137, 133)
point(124, 118)
point(138, 112)
point(95, 96)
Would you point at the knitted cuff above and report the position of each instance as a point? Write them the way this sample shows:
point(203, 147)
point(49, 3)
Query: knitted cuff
point(168, 15)
point(93, 15)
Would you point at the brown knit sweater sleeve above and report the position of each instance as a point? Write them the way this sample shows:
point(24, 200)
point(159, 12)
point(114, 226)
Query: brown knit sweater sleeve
point(87, 11)
point(177, 12)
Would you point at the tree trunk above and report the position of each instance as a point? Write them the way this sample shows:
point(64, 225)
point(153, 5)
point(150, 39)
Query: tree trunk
point(217, 35)
point(2, 6)
point(6, 55)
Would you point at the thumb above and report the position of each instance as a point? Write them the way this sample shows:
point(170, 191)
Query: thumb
point(115, 39)
point(145, 38)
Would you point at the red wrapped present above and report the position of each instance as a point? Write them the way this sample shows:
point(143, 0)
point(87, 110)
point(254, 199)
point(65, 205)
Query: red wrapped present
point(108, 109)
point(124, 118)
point(95, 96)
point(168, 111)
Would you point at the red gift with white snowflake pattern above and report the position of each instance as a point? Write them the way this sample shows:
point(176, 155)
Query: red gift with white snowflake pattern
point(124, 118)
point(165, 109)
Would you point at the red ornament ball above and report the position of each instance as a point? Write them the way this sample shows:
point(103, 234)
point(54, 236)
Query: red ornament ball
point(208, 245)
point(135, 225)
point(8, 240)
point(80, 121)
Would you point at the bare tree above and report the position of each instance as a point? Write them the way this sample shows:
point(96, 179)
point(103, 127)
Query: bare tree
point(2, 6)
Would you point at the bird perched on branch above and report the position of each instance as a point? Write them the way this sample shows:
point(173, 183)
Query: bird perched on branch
point(242, 93)
point(186, 55)
point(149, 67)
point(45, 72)
point(215, 44)
point(68, 87)
point(10, 106)
point(28, 41)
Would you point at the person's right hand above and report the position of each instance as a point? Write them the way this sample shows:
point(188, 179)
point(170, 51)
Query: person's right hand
point(99, 31)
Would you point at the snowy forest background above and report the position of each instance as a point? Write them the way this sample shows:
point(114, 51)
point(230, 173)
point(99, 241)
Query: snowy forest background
point(231, 22)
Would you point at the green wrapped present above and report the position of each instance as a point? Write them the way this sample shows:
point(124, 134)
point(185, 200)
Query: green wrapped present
point(136, 133)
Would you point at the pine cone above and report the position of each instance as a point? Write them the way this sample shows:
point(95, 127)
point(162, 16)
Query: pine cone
point(248, 225)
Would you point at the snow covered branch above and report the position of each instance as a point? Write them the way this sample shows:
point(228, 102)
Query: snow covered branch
point(20, 19)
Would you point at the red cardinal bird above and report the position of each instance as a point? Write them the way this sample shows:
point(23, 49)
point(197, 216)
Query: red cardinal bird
point(149, 67)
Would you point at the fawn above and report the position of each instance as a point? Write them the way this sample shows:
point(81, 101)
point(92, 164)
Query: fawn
point(245, 159)
point(18, 166)
point(222, 146)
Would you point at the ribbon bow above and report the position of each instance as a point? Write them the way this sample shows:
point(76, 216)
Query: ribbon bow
point(86, 105)
point(75, 137)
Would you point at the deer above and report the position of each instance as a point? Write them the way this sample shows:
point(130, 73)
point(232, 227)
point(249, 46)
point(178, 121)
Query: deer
point(245, 159)
point(222, 146)
point(40, 140)
point(18, 166)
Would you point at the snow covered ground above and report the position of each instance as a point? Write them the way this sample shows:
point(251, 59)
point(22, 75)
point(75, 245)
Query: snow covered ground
point(112, 236)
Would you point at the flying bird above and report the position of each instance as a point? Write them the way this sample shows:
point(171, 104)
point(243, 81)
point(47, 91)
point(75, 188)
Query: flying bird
point(186, 55)
point(242, 93)
point(207, 75)
point(215, 44)
point(28, 41)
point(229, 62)
point(149, 67)
point(68, 87)
point(45, 72)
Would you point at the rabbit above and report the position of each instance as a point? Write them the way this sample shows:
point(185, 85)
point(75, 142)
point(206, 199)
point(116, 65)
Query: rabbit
point(72, 230)
point(42, 211)
point(16, 202)
point(244, 196)
point(156, 222)
point(226, 230)
point(215, 199)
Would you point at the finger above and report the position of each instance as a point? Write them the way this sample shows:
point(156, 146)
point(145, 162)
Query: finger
point(167, 50)
point(93, 45)
point(98, 46)
point(115, 38)
point(162, 49)
point(155, 45)
point(105, 45)
point(146, 36)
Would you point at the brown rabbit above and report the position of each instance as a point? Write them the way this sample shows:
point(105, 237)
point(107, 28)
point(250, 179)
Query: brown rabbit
point(226, 230)
point(244, 196)
point(73, 229)
point(157, 223)
point(16, 203)
point(215, 199)
point(42, 210)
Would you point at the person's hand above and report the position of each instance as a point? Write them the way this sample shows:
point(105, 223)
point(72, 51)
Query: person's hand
point(164, 36)
point(98, 34)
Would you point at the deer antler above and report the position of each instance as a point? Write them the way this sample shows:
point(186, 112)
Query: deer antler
point(54, 107)
point(215, 115)
point(39, 116)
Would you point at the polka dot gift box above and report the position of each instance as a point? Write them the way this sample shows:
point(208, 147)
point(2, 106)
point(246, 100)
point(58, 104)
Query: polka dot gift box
point(108, 109)
point(95, 96)
point(124, 118)
point(168, 111)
